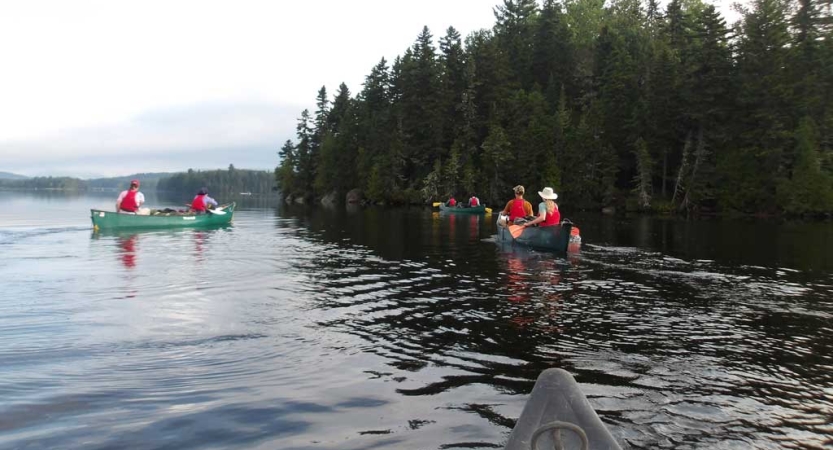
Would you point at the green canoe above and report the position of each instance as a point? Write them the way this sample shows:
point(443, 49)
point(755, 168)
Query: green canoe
point(555, 238)
point(109, 220)
point(457, 210)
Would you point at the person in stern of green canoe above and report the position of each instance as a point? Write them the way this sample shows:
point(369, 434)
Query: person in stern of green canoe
point(518, 209)
point(202, 201)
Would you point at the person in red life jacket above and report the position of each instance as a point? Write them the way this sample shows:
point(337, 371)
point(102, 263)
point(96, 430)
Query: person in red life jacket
point(474, 201)
point(451, 202)
point(548, 214)
point(202, 201)
point(131, 199)
point(518, 208)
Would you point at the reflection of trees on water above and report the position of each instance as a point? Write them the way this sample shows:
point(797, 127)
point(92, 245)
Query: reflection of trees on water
point(435, 291)
point(624, 318)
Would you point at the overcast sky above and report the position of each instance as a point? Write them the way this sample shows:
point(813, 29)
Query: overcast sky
point(104, 88)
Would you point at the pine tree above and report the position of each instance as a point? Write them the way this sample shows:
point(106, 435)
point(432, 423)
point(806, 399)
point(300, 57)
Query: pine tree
point(553, 56)
point(496, 153)
point(452, 84)
point(514, 28)
point(764, 96)
point(305, 162)
point(286, 171)
point(420, 107)
point(643, 174)
point(806, 56)
point(810, 191)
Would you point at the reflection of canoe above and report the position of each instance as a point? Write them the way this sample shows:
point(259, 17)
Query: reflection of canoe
point(547, 238)
point(108, 220)
point(457, 210)
point(557, 410)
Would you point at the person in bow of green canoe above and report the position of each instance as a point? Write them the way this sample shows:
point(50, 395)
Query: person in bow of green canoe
point(202, 202)
point(131, 200)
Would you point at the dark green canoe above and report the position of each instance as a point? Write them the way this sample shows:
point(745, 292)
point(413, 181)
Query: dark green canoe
point(458, 210)
point(109, 220)
point(555, 238)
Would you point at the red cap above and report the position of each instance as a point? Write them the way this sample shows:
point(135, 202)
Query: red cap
point(136, 182)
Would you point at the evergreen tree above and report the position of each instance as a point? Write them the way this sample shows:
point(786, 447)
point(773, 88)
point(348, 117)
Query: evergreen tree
point(420, 107)
point(285, 174)
point(643, 174)
point(752, 170)
point(810, 190)
point(453, 84)
point(515, 30)
point(496, 153)
point(552, 64)
point(303, 151)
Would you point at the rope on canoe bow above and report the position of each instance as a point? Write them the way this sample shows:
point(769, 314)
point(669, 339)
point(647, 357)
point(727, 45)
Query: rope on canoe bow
point(556, 427)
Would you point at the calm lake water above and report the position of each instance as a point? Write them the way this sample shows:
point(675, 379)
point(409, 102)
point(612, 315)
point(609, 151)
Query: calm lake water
point(405, 329)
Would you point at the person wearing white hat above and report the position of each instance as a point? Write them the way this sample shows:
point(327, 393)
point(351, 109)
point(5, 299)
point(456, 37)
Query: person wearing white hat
point(548, 214)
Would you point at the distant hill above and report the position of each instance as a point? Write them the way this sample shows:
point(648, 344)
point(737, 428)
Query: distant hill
point(221, 182)
point(11, 176)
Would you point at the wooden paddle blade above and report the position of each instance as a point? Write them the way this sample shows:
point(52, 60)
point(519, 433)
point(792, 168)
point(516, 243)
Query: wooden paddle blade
point(436, 204)
point(516, 231)
point(488, 210)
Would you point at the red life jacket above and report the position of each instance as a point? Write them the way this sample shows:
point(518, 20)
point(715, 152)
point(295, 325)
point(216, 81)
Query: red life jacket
point(517, 210)
point(474, 201)
point(128, 203)
point(452, 202)
point(199, 203)
point(553, 218)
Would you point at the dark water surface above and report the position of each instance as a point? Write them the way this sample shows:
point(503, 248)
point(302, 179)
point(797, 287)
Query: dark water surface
point(366, 329)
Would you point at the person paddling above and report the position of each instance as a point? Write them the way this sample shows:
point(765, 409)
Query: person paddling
point(518, 208)
point(202, 201)
point(130, 200)
point(474, 201)
point(548, 214)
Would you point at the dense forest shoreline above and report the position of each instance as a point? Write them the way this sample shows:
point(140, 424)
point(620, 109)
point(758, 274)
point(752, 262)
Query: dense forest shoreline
point(619, 104)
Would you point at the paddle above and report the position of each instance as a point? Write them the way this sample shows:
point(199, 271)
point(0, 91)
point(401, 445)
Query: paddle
point(436, 204)
point(488, 210)
point(516, 231)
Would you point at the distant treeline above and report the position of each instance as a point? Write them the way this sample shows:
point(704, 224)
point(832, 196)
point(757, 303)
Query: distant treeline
point(615, 102)
point(50, 183)
point(222, 182)
point(148, 181)
point(219, 182)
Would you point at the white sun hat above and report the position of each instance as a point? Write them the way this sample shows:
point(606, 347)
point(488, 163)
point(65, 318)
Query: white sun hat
point(548, 194)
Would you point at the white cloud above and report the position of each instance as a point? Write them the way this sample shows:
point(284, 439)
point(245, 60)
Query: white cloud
point(156, 140)
point(84, 63)
point(91, 78)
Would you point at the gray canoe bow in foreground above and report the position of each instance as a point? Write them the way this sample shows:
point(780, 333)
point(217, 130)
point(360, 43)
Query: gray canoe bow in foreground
point(558, 416)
